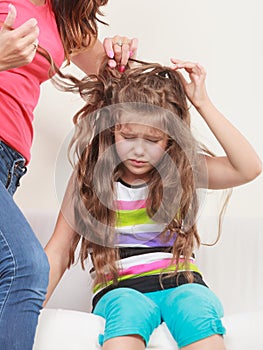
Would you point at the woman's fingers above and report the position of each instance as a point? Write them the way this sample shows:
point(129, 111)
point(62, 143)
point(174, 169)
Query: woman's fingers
point(10, 19)
point(28, 29)
point(18, 44)
point(119, 49)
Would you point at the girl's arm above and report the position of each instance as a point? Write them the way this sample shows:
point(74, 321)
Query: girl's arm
point(241, 163)
point(57, 250)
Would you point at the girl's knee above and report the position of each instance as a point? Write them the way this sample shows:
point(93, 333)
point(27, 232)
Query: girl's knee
point(127, 312)
point(193, 312)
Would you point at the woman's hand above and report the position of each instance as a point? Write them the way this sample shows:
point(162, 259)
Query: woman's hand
point(119, 49)
point(195, 89)
point(17, 46)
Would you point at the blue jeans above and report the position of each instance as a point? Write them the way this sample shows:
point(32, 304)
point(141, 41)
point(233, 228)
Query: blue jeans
point(24, 267)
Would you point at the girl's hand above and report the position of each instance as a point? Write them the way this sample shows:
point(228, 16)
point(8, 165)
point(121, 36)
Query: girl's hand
point(195, 89)
point(17, 46)
point(119, 49)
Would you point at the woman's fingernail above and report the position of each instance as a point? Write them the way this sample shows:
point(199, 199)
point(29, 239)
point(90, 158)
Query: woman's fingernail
point(10, 7)
point(112, 64)
point(122, 68)
point(111, 54)
point(130, 54)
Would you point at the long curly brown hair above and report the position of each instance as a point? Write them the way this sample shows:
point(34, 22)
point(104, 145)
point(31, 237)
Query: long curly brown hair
point(143, 89)
point(77, 22)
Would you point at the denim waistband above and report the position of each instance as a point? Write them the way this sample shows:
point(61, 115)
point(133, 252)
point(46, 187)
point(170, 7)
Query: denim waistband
point(12, 154)
point(12, 167)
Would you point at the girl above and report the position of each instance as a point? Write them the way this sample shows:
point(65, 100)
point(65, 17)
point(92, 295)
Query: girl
point(30, 29)
point(133, 200)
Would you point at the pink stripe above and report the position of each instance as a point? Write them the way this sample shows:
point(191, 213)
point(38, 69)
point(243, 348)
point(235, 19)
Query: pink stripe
point(131, 205)
point(133, 270)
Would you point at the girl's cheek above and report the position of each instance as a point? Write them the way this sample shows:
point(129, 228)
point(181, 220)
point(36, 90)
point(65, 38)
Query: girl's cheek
point(157, 153)
point(122, 148)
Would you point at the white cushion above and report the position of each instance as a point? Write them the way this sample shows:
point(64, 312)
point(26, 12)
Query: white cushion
point(244, 331)
point(67, 330)
point(74, 330)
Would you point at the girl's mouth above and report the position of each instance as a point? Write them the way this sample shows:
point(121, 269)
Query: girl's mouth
point(137, 162)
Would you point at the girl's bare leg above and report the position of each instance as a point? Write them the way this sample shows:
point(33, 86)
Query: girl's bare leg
point(215, 342)
point(127, 342)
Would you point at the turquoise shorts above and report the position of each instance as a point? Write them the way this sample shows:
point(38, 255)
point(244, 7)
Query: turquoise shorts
point(191, 312)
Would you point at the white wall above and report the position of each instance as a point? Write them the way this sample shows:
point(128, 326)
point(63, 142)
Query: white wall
point(225, 36)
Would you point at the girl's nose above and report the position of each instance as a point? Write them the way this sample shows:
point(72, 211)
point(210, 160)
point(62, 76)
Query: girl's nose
point(139, 147)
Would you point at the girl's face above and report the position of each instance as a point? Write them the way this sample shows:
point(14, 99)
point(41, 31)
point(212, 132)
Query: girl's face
point(139, 147)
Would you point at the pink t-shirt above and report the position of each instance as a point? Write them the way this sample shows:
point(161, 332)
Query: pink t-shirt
point(20, 87)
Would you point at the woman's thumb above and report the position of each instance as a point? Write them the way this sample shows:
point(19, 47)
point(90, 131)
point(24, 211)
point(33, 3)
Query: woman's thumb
point(10, 18)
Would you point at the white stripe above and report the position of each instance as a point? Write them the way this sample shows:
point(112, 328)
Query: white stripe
point(143, 259)
point(132, 245)
point(144, 228)
point(130, 194)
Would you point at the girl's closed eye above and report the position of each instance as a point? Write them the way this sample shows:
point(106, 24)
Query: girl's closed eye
point(153, 140)
point(134, 137)
point(128, 136)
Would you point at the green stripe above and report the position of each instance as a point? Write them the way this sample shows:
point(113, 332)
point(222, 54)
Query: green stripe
point(181, 268)
point(133, 217)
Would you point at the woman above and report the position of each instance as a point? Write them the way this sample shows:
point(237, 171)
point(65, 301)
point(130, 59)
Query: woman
point(29, 30)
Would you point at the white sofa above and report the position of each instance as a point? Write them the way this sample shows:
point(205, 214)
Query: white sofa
point(232, 268)
point(75, 330)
